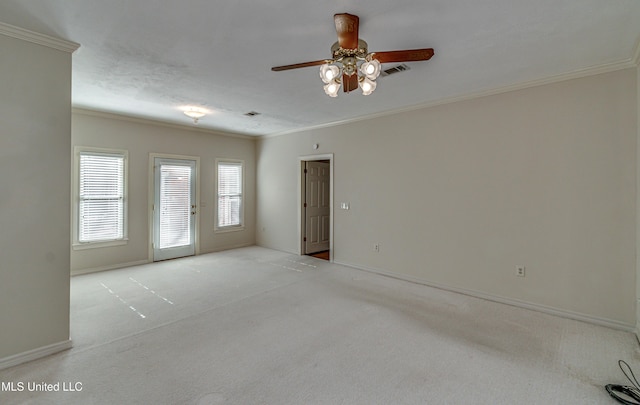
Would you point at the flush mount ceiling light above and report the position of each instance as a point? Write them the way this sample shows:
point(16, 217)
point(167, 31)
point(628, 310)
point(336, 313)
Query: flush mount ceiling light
point(352, 65)
point(195, 113)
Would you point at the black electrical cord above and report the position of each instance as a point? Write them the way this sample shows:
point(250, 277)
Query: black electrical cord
point(625, 394)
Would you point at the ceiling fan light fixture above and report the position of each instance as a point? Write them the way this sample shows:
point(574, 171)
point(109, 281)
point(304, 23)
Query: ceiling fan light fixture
point(328, 72)
point(367, 85)
point(332, 88)
point(351, 64)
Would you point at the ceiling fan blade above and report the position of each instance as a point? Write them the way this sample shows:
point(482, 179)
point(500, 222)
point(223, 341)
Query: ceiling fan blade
point(347, 29)
point(300, 65)
point(349, 83)
point(409, 55)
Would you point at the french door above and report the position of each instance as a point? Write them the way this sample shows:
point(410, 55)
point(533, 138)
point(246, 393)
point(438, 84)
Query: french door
point(174, 209)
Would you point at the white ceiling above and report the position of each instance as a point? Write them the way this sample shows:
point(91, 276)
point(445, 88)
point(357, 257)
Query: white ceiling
point(148, 58)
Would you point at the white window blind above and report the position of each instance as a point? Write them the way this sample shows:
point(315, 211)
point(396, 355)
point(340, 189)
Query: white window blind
point(175, 206)
point(229, 194)
point(101, 197)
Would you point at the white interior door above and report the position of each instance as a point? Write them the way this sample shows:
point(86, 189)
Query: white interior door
point(174, 210)
point(317, 206)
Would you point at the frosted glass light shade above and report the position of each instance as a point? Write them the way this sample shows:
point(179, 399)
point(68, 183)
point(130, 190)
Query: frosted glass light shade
point(371, 69)
point(332, 88)
point(329, 72)
point(368, 86)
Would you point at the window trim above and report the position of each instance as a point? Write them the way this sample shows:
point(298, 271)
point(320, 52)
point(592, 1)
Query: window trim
point(229, 228)
point(76, 244)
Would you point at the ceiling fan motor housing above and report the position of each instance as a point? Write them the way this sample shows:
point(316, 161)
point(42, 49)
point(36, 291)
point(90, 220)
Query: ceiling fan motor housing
point(360, 52)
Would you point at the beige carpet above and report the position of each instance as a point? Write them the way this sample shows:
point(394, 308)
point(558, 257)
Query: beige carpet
point(256, 326)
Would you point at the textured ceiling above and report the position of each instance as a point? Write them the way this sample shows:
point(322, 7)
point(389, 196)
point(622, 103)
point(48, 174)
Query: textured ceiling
point(149, 58)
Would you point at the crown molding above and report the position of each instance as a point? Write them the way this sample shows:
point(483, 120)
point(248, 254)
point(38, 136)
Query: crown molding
point(37, 38)
point(165, 124)
point(577, 74)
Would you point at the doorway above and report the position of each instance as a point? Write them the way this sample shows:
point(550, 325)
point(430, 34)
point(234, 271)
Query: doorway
point(316, 206)
point(174, 208)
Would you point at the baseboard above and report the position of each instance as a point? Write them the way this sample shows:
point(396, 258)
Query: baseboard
point(279, 249)
point(141, 262)
point(610, 323)
point(34, 354)
point(108, 267)
point(230, 247)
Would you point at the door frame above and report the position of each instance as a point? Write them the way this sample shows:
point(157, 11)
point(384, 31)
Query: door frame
point(151, 198)
point(301, 197)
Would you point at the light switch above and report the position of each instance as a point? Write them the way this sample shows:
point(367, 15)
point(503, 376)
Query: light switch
point(344, 205)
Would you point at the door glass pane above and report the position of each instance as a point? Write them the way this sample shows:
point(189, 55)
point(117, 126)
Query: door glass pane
point(175, 206)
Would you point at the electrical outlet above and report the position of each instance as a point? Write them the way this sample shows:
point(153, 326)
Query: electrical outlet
point(376, 247)
point(520, 271)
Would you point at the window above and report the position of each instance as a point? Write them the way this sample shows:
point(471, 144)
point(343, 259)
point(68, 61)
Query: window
point(230, 207)
point(100, 211)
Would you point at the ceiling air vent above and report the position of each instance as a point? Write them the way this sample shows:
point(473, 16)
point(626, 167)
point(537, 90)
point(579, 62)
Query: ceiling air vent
point(252, 113)
point(394, 70)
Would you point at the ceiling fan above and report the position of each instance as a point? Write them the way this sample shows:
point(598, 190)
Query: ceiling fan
point(351, 64)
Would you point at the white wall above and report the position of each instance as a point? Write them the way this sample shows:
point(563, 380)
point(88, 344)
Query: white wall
point(457, 195)
point(35, 137)
point(141, 138)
